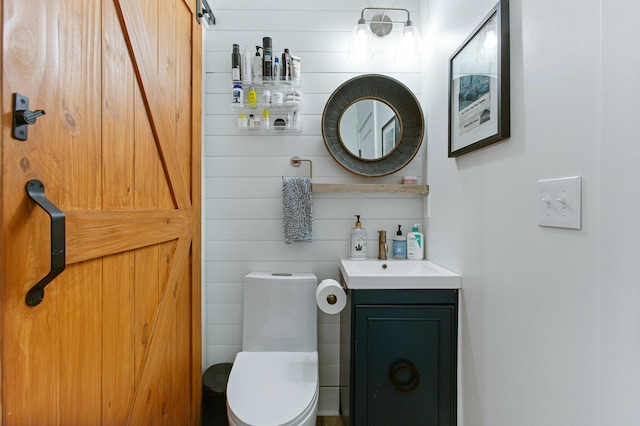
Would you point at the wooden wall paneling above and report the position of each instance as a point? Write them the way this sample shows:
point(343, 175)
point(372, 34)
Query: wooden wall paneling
point(77, 108)
point(118, 131)
point(26, 261)
point(80, 336)
point(147, 174)
point(138, 170)
point(142, 408)
point(183, 371)
point(185, 71)
point(118, 157)
point(195, 296)
point(118, 338)
point(86, 240)
point(159, 113)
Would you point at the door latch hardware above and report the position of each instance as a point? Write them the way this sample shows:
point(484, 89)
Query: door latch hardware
point(22, 117)
point(35, 190)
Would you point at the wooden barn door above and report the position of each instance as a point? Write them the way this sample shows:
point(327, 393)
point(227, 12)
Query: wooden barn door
point(116, 337)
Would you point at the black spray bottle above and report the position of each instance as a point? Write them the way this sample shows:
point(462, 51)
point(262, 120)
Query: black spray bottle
point(235, 63)
point(267, 60)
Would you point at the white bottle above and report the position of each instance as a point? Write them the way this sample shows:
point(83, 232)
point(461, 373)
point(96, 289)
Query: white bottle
point(246, 65)
point(415, 244)
point(399, 245)
point(358, 242)
point(276, 69)
point(265, 115)
point(237, 95)
point(257, 65)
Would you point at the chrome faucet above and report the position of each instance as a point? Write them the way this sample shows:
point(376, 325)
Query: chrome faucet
point(382, 245)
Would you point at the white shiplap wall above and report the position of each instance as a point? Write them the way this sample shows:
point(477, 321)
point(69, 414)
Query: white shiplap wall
point(243, 173)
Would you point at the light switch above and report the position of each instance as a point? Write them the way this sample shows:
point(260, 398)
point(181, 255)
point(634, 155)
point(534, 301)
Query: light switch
point(559, 202)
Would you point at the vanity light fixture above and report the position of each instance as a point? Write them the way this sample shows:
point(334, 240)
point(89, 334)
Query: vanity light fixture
point(381, 25)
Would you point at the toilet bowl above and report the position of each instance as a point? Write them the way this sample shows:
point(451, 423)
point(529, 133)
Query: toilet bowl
point(273, 388)
point(274, 379)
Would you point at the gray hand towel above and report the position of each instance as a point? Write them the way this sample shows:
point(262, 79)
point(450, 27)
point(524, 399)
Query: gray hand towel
point(297, 214)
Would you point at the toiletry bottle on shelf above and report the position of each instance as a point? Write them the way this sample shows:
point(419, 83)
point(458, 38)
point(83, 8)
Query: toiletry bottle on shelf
point(286, 65)
point(246, 65)
point(237, 95)
point(399, 245)
point(235, 63)
point(267, 59)
point(257, 65)
point(276, 68)
point(415, 244)
point(358, 241)
point(296, 68)
point(252, 97)
point(243, 121)
point(265, 116)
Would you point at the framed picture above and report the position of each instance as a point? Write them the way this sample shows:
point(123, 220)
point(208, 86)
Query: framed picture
point(479, 85)
point(390, 135)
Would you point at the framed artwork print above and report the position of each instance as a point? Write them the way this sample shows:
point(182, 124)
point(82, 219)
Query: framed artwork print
point(479, 85)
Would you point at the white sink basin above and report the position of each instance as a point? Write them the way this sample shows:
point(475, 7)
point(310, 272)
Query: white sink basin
point(398, 274)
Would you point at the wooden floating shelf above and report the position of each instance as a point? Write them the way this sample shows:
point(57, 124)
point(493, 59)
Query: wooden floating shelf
point(371, 187)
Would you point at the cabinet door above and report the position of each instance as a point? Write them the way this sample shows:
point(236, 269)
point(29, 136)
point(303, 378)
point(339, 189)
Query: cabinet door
point(405, 363)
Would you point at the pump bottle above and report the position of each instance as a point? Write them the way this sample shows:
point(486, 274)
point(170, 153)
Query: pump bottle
point(257, 65)
point(415, 244)
point(399, 245)
point(358, 241)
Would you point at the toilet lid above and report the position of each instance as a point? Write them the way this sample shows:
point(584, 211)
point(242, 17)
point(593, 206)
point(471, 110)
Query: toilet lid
point(272, 388)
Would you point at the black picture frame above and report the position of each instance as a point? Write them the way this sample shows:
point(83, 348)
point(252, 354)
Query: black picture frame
point(479, 85)
point(390, 135)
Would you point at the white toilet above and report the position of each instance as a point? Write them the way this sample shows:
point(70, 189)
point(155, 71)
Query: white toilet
point(274, 380)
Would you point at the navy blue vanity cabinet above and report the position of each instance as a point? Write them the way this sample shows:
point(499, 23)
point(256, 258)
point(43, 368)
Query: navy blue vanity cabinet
point(400, 351)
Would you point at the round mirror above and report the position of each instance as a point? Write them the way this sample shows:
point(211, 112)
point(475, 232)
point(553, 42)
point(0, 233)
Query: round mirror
point(373, 125)
point(369, 129)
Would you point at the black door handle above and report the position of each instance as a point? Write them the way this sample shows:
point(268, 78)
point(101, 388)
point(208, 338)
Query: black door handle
point(404, 376)
point(35, 190)
point(23, 117)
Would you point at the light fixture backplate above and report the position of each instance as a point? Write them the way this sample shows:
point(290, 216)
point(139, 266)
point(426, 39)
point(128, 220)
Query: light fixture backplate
point(381, 25)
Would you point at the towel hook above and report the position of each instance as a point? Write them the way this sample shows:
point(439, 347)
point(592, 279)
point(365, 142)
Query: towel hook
point(296, 161)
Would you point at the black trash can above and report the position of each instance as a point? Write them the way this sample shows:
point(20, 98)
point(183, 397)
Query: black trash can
point(214, 395)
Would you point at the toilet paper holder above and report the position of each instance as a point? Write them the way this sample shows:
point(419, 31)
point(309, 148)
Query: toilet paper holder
point(332, 299)
point(331, 296)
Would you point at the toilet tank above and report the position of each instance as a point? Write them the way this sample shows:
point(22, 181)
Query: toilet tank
point(280, 312)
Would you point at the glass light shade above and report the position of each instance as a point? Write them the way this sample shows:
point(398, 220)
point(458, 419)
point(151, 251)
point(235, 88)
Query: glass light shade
point(360, 43)
point(410, 47)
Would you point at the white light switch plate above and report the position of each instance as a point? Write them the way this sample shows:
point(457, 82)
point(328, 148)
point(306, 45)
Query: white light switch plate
point(559, 202)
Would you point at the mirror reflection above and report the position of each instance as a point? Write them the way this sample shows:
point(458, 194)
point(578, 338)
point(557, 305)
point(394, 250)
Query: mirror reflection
point(369, 129)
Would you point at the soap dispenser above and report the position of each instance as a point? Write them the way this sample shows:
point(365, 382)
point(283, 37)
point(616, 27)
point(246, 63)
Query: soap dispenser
point(358, 241)
point(399, 245)
point(415, 244)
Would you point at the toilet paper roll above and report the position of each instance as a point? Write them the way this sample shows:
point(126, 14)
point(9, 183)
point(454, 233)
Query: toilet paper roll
point(330, 296)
